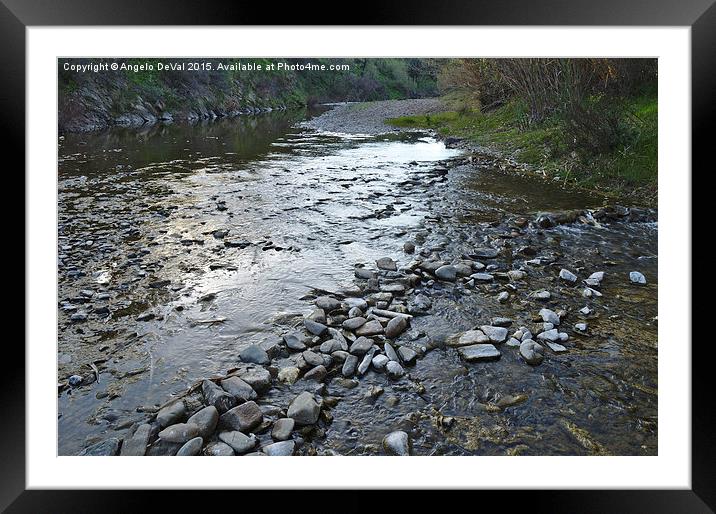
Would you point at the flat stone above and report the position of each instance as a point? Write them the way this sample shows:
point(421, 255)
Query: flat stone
point(485, 253)
point(407, 355)
point(479, 352)
point(219, 449)
point(243, 418)
point(312, 358)
point(304, 409)
point(280, 449)
point(327, 303)
point(315, 328)
point(354, 323)
point(515, 275)
point(397, 443)
point(282, 429)
point(239, 442)
point(330, 346)
point(482, 277)
point(364, 274)
point(205, 420)
point(447, 272)
point(254, 354)
point(136, 446)
point(238, 388)
point(361, 345)
point(179, 433)
point(541, 295)
point(106, 448)
point(467, 338)
point(191, 447)
point(371, 328)
point(396, 326)
point(354, 302)
point(555, 347)
point(567, 275)
point(549, 335)
point(501, 322)
point(294, 342)
point(496, 334)
point(171, 414)
point(549, 316)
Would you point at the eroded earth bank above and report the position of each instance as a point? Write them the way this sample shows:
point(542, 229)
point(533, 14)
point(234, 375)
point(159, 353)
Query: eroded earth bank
point(267, 285)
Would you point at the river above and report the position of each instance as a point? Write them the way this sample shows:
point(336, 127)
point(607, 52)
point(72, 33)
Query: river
point(138, 214)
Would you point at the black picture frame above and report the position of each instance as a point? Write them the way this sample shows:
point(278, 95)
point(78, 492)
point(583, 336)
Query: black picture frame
point(700, 15)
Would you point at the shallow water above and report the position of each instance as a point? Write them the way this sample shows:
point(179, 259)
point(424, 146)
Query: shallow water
point(303, 208)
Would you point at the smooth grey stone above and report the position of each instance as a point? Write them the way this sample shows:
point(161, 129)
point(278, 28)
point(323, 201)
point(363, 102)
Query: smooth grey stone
point(219, 449)
point(280, 449)
point(567, 275)
point(349, 366)
point(216, 396)
point(597, 275)
point(637, 278)
point(171, 414)
point(354, 323)
point(179, 433)
point(361, 345)
point(206, 420)
point(397, 443)
point(355, 312)
point(549, 316)
point(541, 295)
point(501, 322)
point(485, 253)
point(407, 355)
point(330, 346)
point(294, 342)
point(243, 418)
point(364, 274)
point(447, 272)
point(282, 429)
point(516, 275)
point(386, 263)
point(479, 352)
point(580, 327)
point(304, 409)
point(371, 328)
point(482, 277)
point(390, 352)
point(467, 338)
point(239, 442)
point(394, 370)
point(106, 448)
point(314, 328)
point(238, 388)
point(254, 354)
point(327, 303)
point(379, 362)
point(191, 447)
point(555, 347)
point(137, 444)
point(317, 374)
point(365, 363)
point(549, 335)
point(318, 315)
point(503, 297)
point(395, 327)
point(289, 375)
point(356, 303)
point(496, 334)
point(258, 378)
point(531, 352)
point(514, 342)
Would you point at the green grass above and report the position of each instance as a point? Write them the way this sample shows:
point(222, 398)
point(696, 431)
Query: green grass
point(628, 171)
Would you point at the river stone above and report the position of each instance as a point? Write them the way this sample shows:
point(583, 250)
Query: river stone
point(555, 347)
point(397, 443)
point(447, 272)
point(541, 295)
point(371, 328)
point(395, 370)
point(637, 278)
point(501, 322)
point(516, 275)
point(390, 352)
point(136, 446)
point(327, 303)
point(179, 433)
point(365, 362)
point(318, 315)
point(549, 316)
point(407, 355)
point(467, 338)
point(238, 388)
point(240, 443)
point(585, 310)
point(258, 378)
point(598, 276)
point(288, 375)
point(482, 277)
point(219, 449)
point(294, 342)
point(340, 355)
point(395, 327)
point(330, 346)
point(312, 358)
point(315, 328)
point(280, 449)
point(191, 447)
point(395, 289)
point(386, 263)
point(171, 414)
point(531, 352)
point(479, 352)
point(361, 345)
point(205, 420)
point(304, 410)
point(354, 323)
point(354, 302)
point(513, 342)
point(485, 253)
point(496, 334)
point(254, 354)
point(318, 374)
point(379, 362)
point(420, 304)
point(349, 366)
point(243, 418)
point(503, 297)
point(355, 312)
point(282, 429)
point(549, 335)
point(408, 247)
point(580, 327)
point(364, 274)
point(110, 447)
point(216, 396)
point(567, 275)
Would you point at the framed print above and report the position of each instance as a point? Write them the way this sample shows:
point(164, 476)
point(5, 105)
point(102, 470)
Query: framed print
point(453, 234)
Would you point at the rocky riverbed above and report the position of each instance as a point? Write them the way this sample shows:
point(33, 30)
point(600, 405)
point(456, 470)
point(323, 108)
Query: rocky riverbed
point(292, 292)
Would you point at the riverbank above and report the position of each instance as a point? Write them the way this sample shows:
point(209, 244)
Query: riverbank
point(627, 173)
